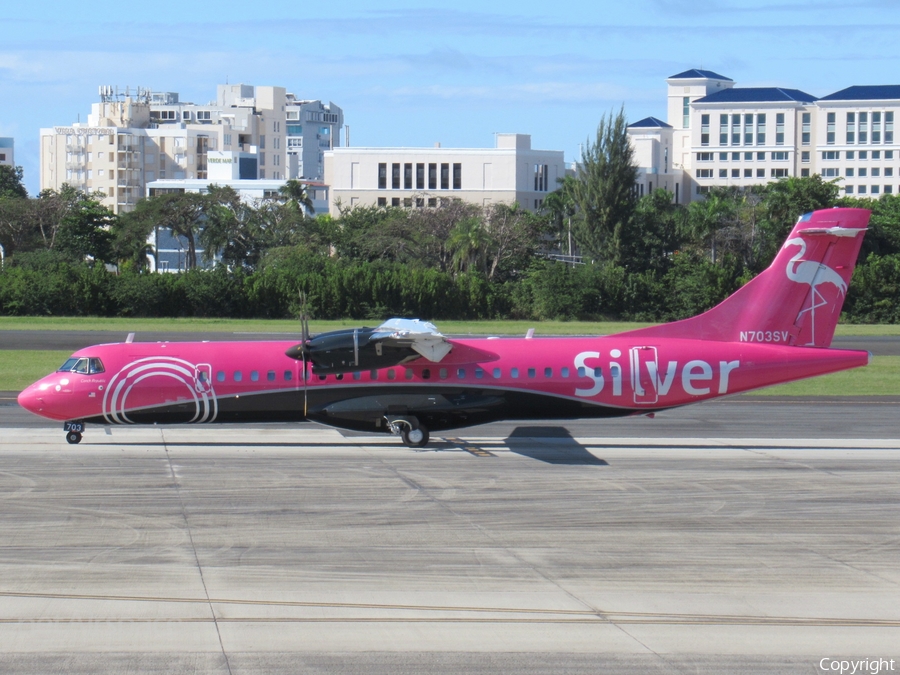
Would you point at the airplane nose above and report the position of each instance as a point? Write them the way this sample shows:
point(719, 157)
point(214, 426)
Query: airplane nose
point(32, 399)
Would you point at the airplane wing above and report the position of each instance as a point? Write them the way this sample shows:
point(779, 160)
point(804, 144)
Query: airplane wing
point(420, 336)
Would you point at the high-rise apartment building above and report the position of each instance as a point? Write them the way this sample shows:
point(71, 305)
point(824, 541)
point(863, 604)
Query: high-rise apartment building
point(717, 134)
point(7, 154)
point(131, 140)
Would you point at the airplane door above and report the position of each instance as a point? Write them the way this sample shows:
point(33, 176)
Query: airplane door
point(642, 383)
point(202, 378)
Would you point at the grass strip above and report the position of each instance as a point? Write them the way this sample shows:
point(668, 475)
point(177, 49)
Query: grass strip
point(292, 327)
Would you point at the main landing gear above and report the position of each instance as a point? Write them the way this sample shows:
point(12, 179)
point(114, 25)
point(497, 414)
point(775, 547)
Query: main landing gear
point(411, 432)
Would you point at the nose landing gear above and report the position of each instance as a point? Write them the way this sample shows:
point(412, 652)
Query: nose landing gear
point(411, 432)
point(73, 438)
point(73, 432)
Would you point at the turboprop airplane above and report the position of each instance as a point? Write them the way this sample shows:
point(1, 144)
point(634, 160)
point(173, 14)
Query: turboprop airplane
point(406, 378)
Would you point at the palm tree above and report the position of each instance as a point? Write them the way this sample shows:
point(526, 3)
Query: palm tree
point(468, 242)
point(295, 193)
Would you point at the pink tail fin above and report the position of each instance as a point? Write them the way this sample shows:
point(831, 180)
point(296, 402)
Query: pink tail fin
point(797, 300)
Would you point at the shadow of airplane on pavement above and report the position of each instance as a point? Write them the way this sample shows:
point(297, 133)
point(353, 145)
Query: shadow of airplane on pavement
point(553, 445)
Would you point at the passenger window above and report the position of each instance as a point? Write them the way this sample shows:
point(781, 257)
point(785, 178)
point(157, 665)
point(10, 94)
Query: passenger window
point(564, 372)
point(598, 372)
point(357, 375)
point(580, 371)
point(426, 374)
point(409, 373)
point(514, 373)
point(270, 376)
point(461, 373)
point(391, 374)
point(96, 366)
point(220, 376)
point(254, 375)
point(443, 373)
point(479, 373)
point(373, 374)
point(496, 373)
point(238, 376)
point(531, 372)
point(548, 372)
point(202, 377)
point(288, 376)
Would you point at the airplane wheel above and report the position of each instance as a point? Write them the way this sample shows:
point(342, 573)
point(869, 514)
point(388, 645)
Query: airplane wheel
point(416, 438)
point(73, 438)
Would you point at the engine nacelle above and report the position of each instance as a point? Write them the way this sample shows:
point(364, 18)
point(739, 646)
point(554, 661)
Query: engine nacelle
point(349, 350)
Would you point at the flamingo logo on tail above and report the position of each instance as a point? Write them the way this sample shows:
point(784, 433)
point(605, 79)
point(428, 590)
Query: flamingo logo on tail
point(813, 274)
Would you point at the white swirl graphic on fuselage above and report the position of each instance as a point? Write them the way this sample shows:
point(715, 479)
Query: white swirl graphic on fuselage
point(120, 386)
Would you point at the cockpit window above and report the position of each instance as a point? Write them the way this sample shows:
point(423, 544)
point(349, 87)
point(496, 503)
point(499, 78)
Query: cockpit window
point(82, 365)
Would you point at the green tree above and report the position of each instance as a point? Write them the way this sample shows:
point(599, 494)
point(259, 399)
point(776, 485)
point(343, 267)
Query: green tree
point(560, 205)
point(604, 190)
point(468, 244)
point(11, 185)
point(86, 230)
point(705, 217)
point(786, 200)
point(296, 195)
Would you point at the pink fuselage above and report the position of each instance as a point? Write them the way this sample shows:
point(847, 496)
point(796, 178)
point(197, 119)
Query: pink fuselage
point(540, 378)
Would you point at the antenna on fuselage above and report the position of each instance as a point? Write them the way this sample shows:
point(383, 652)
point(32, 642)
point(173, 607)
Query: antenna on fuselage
point(130, 338)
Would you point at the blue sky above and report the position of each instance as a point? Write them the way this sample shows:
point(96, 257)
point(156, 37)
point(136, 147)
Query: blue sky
point(415, 73)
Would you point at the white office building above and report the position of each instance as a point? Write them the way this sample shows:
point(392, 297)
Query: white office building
point(131, 141)
point(7, 152)
point(422, 177)
point(717, 134)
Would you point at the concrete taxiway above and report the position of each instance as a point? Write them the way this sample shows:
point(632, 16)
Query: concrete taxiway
point(499, 549)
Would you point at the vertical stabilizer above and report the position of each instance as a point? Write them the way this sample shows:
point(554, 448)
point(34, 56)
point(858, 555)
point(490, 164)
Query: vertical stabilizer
point(797, 300)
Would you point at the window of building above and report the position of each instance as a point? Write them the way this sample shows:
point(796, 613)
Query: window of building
point(861, 190)
point(382, 176)
point(748, 156)
point(829, 155)
point(851, 154)
point(705, 156)
point(395, 201)
point(761, 156)
point(804, 172)
point(760, 173)
point(876, 172)
point(848, 189)
point(876, 129)
point(432, 202)
point(874, 189)
point(889, 126)
point(686, 112)
point(863, 128)
point(432, 177)
point(736, 129)
point(888, 189)
point(420, 176)
point(723, 129)
point(876, 154)
point(723, 156)
point(407, 177)
point(704, 130)
point(830, 172)
point(851, 128)
point(830, 125)
point(888, 171)
point(382, 201)
point(748, 173)
point(779, 156)
point(805, 128)
point(761, 129)
point(864, 154)
point(723, 173)
point(395, 176)
point(701, 189)
point(779, 173)
point(445, 176)
point(748, 129)
point(779, 129)
point(804, 156)
point(862, 172)
point(848, 172)
point(704, 173)
point(735, 173)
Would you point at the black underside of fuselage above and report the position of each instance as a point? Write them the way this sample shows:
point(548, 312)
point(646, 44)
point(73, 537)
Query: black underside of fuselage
point(365, 408)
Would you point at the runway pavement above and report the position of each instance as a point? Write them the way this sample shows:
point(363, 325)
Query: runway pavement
point(500, 549)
